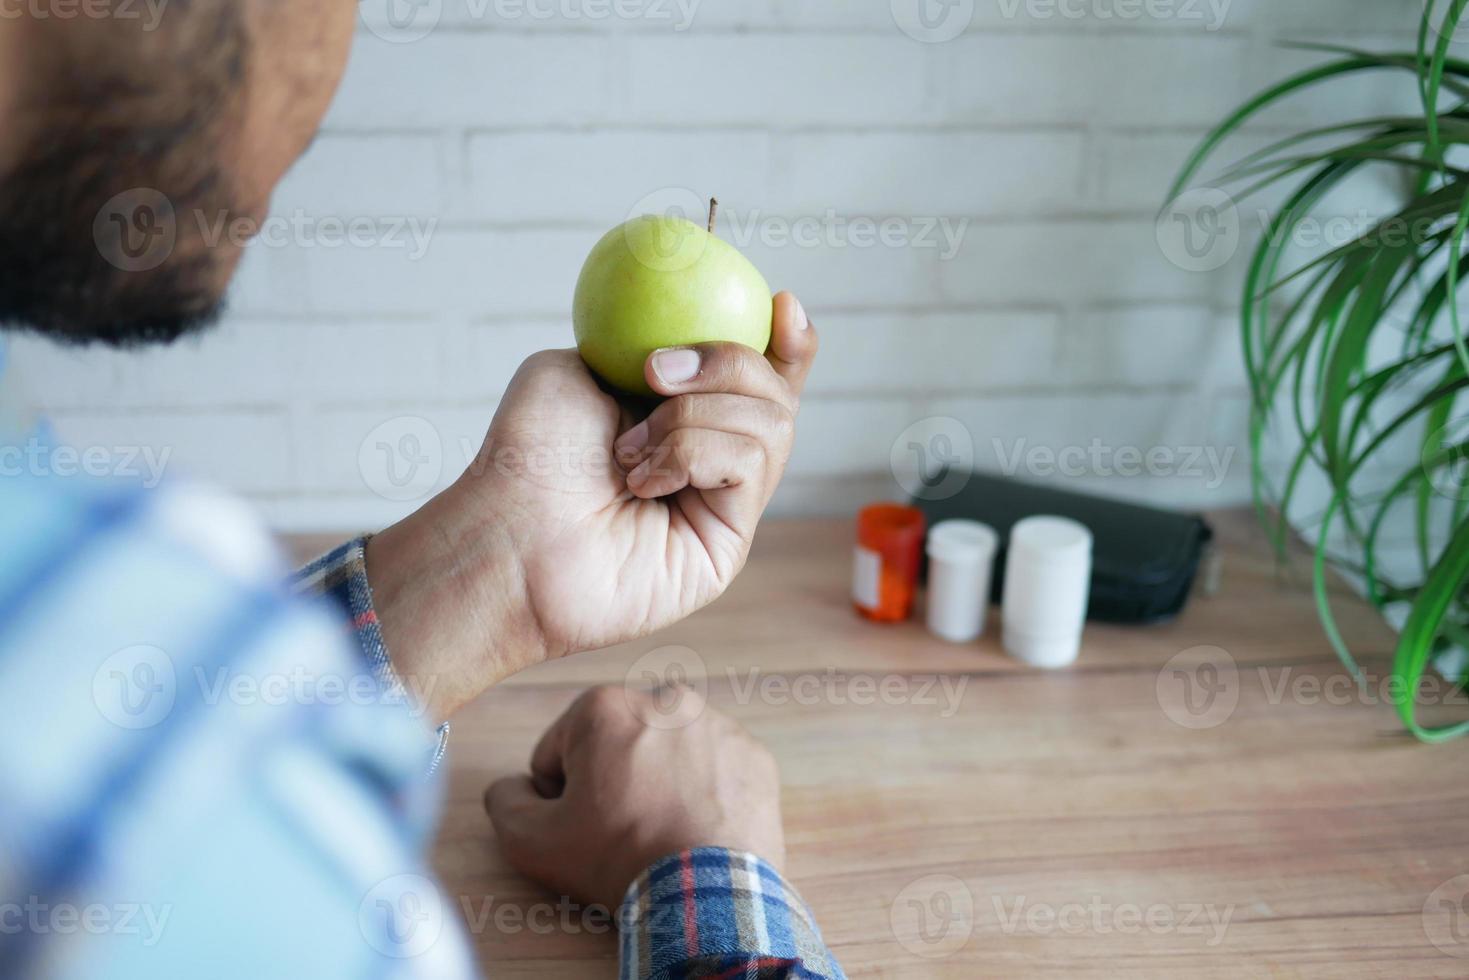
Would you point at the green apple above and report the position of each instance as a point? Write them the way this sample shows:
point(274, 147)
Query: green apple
point(664, 282)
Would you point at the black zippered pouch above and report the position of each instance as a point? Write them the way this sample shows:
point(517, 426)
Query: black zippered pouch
point(1144, 559)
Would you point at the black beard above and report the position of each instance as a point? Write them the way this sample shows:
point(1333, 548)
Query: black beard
point(90, 252)
point(100, 219)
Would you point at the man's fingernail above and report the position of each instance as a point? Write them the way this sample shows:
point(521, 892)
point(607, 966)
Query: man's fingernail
point(676, 366)
point(633, 440)
point(802, 320)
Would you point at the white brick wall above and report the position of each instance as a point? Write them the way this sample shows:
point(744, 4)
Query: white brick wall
point(517, 131)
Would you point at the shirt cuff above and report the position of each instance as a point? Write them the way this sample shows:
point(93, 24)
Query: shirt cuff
point(712, 912)
point(341, 575)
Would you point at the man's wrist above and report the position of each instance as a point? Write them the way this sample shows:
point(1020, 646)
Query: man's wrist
point(451, 600)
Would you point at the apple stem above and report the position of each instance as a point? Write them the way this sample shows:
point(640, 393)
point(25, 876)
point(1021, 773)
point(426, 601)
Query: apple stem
point(713, 210)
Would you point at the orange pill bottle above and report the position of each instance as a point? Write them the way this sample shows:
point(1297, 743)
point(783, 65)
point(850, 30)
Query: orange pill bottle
point(885, 570)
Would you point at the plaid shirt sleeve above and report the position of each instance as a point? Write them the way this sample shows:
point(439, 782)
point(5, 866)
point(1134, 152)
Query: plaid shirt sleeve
point(716, 913)
point(341, 575)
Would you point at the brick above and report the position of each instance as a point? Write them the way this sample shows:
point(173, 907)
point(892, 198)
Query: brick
point(451, 79)
point(349, 175)
point(1154, 80)
point(461, 271)
point(1340, 99)
point(365, 361)
point(844, 275)
point(603, 177)
point(1079, 260)
point(1295, 19)
point(914, 173)
point(895, 352)
point(236, 363)
point(45, 373)
point(772, 80)
point(848, 435)
point(481, 358)
point(338, 442)
point(1137, 168)
point(1161, 345)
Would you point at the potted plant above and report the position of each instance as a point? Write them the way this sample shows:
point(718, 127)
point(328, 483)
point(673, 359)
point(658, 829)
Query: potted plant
point(1363, 345)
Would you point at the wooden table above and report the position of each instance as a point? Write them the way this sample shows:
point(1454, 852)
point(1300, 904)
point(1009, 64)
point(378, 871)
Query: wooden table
point(1086, 822)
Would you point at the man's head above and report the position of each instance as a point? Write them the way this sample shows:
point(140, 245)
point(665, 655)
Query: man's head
point(137, 143)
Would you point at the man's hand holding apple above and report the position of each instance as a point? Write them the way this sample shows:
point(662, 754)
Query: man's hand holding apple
point(580, 525)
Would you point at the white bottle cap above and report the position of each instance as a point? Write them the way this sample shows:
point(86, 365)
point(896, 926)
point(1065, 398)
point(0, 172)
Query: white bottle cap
point(1048, 568)
point(961, 556)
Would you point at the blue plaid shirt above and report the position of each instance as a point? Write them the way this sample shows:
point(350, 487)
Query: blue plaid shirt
point(203, 775)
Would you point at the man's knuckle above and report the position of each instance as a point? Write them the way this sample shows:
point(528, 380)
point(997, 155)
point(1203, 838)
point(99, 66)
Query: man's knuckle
point(541, 359)
point(604, 702)
point(684, 410)
point(783, 424)
point(737, 368)
point(684, 446)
